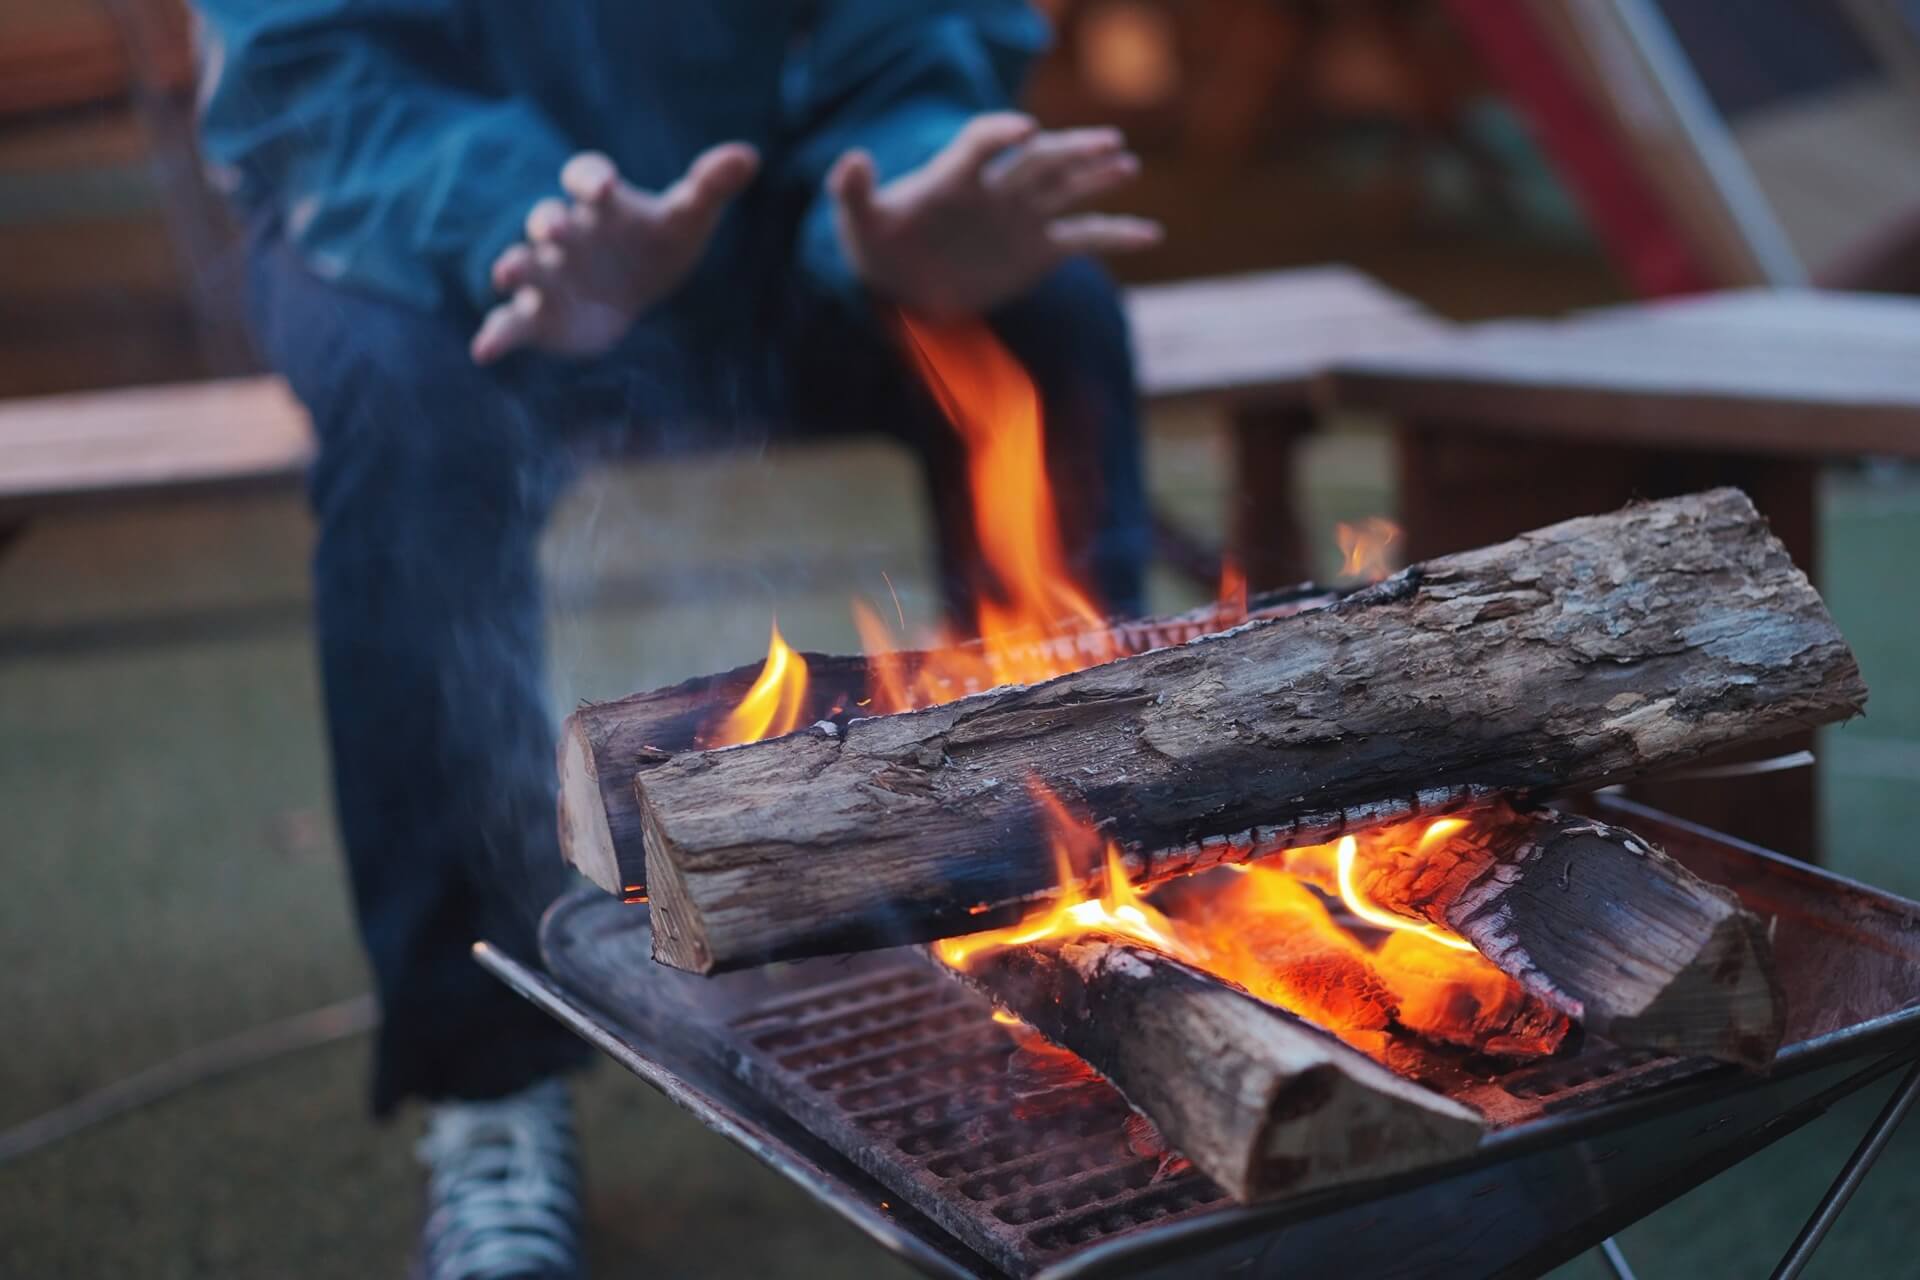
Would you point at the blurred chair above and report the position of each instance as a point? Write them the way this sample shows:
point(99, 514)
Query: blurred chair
point(1712, 145)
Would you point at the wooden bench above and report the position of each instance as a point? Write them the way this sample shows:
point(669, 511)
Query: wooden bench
point(1249, 344)
point(1505, 427)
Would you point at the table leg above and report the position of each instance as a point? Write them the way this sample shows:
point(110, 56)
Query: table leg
point(1462, 486)
point(1266, 537)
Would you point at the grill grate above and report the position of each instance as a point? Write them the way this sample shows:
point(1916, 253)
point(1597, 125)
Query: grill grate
point(905, 1072)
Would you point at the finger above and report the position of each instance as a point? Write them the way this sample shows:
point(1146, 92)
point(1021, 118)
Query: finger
point(509, 326)
point(537, 265)
point(510, 267)
point(544, 217)
point(851, 183)
point(589, 177)
point(716, 176)
point(1038, 161)
point(1103, 233)
point(1087, 180)
point(985, 137)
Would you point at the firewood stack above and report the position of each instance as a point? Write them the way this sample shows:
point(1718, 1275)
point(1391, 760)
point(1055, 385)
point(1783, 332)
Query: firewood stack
point(1576, 656)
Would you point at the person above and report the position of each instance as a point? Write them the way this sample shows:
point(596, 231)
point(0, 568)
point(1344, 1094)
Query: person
point(489, 238)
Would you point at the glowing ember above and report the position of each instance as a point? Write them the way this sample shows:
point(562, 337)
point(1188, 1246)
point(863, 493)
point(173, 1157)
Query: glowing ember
point(1367, 549)
point(1120, 910)
point(1347, 857)
point(775, 703)
point(1270, 928)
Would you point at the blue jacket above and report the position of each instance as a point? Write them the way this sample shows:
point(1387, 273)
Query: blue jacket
point(400, 143)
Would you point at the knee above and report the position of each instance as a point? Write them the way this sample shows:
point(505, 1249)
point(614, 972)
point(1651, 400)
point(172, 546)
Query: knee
point(413, 436)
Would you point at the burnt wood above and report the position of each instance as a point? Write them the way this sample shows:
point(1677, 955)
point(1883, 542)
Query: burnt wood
point(1261, 1102)
point(1594, 650)
point(1605, 927)
point(604, 744)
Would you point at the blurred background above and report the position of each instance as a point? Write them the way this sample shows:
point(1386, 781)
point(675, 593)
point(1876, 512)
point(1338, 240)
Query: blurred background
point(170, 864)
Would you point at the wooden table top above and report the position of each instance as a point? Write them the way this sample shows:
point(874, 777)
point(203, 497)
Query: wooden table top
point(1790, 372)
point(1267, 337)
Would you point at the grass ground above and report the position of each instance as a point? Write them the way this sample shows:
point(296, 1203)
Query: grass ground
point(171, 876)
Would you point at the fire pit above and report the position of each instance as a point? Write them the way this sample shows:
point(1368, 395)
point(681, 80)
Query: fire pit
point(1249, 926)
point(892, 1096)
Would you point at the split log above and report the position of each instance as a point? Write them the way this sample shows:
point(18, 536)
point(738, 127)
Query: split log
point(1263, 1103)
point(1585, 653)
point(1604, 927)
point(604, 744)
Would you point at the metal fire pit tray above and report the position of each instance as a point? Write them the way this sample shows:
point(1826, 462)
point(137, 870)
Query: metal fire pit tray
point(887, 1092)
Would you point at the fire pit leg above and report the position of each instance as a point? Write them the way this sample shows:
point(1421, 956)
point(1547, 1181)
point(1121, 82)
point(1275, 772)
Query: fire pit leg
point(1852, 1174)
point(1616, 1261)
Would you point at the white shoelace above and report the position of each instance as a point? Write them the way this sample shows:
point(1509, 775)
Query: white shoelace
point(502, 1189)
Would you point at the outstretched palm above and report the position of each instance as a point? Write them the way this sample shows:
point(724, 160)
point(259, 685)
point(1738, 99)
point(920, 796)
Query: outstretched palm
point(591, 264)
point(987, 217)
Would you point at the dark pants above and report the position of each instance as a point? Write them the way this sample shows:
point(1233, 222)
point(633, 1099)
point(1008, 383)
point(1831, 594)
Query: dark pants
point(433, 482)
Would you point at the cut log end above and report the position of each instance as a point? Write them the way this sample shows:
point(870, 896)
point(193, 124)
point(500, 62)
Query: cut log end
point(586, 840)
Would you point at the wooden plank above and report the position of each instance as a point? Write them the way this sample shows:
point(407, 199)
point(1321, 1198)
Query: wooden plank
point(1263, 337)
point(1800, 373)
point(95, 444)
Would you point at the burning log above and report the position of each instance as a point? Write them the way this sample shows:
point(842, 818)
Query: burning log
point(1602, 926)
point(1588, 652)
point(1268, 933)
point(1264, 1104)
point(604, 744)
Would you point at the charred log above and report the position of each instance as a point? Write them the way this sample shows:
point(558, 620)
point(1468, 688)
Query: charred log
point(1604, 927)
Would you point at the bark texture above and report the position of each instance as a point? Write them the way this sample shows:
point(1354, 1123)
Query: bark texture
point(1263, 1103)
point(603, 745)
point(1606, 928)
point(1584, 653)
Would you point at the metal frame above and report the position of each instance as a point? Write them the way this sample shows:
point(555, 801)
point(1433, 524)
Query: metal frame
point(1872, 1144)
point(1623, 1151)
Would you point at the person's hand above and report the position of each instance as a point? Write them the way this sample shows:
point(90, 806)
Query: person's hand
point(987, 217)
point(592, 263)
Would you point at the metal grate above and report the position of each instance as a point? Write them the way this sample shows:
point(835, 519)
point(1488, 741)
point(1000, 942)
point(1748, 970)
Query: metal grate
point(904, 1072)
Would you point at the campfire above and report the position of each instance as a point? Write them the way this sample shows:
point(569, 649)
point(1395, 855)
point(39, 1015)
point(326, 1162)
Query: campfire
point(1282, 870)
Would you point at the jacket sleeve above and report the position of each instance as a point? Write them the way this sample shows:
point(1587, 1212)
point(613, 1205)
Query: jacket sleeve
point(384, 172)
point(900, 89)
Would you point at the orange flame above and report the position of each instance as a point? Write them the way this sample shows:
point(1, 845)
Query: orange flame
point(1268, 932)
point(1367, 549)
point(1230, 608)
point(1347, 856)
point(1028, 601)
point(773, 705)
point(1120, 910)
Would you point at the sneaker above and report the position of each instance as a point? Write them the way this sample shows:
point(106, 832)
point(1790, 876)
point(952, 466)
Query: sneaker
point(503, 1189)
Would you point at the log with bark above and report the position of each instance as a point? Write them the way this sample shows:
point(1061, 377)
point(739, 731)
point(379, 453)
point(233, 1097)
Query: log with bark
point(1592, 651)
point(1263, 1103)
point(604, 744)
